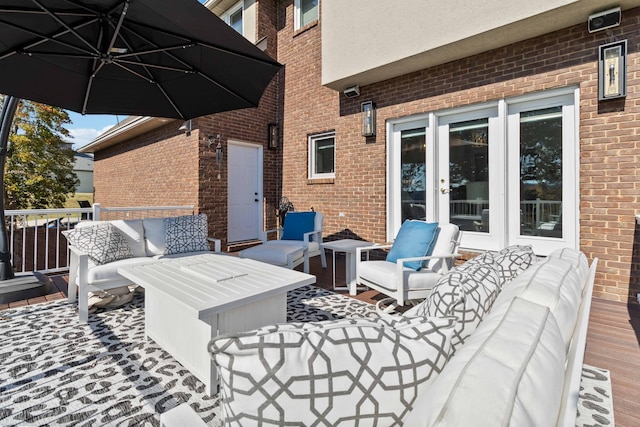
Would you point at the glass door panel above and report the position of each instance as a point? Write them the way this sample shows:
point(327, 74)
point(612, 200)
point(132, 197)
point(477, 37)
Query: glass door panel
point(469, 175)
point(541, 173)
point(413, 174)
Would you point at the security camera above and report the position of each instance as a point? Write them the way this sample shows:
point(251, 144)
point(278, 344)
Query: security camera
point(352, 92)
point(605, 19)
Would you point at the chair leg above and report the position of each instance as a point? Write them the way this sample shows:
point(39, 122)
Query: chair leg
point(391, 303)
point(83, 305)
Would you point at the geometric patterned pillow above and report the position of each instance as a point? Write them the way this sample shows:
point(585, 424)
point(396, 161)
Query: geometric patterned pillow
point(187, 233)
point(513, 260)
point(467, 293)
point(347, 371)
point(102, 242)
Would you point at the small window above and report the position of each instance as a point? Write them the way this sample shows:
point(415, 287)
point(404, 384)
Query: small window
point(233, 17)
point(322, 148)
point(306, 11)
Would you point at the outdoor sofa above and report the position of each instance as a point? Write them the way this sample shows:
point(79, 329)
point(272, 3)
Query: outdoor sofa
point(500, 341)
point(99, 248)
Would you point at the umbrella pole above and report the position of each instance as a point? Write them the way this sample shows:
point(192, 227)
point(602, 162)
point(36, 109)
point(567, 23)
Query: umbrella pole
point(6, 119)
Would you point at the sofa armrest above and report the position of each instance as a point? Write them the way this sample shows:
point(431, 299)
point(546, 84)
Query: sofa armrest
point(216, 243)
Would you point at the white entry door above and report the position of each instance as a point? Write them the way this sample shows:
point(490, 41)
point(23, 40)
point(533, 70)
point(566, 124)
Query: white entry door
point(244, 191)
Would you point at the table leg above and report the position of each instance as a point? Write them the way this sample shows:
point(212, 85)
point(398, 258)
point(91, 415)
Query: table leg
point(333, 252)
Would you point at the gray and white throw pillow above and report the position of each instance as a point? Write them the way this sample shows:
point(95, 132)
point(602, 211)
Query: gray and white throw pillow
point(467, 293)
point(348, 371)
point(103, 242)
point(513, 260)
point(187, 233)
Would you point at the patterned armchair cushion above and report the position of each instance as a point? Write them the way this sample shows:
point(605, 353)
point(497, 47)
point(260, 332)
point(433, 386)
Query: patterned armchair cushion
point(327, 373)
point(187, 233)
point(103, 242)
point(513, 260)
point(467, 293)
point(415, 239)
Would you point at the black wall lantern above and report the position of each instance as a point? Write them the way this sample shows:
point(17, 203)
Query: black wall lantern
point(368, 110)
point(273, 136)
point(612, 71)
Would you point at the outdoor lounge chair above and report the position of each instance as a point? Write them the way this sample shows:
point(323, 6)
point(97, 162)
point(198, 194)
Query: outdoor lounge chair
point(299, 240)
point(405, 278)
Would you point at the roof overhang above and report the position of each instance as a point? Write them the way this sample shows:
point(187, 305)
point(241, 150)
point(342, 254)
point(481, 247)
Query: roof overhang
point(130, 127)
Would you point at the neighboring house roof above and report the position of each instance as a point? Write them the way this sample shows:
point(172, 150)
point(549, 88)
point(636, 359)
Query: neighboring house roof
point(126, 129)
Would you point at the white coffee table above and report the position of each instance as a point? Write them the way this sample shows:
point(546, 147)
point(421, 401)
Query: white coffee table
point(190, 300)
point(348, 246)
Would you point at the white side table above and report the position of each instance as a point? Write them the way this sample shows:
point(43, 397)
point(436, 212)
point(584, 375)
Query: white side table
point(348, 246)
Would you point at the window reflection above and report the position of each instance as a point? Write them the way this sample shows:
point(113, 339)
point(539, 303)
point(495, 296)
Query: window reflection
point(412, 158)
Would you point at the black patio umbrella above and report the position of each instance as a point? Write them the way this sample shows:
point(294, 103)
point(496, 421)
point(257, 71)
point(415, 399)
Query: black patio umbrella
point(159, 58)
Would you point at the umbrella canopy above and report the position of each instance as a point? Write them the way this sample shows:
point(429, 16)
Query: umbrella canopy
point(160, 58)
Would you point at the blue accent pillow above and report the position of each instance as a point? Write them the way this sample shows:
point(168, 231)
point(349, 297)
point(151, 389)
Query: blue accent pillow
point(415, 238)
point(298, 223)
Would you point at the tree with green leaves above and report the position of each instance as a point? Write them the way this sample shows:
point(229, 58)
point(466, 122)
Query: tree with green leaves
point(39, 167)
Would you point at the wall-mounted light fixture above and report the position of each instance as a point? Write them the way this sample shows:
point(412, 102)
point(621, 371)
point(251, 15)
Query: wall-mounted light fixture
point(186, 127)
point(215, 140)
point(273, 136)
point(368, 110)
point(612, 71)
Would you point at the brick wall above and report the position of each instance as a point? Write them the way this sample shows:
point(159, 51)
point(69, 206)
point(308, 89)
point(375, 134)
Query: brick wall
point(609, 151)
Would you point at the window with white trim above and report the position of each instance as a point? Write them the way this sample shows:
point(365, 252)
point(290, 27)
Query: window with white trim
point(306, 11)
point(234, 17)
point(322, 149)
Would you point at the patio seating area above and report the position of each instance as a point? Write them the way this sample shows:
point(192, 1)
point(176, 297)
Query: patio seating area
point(612, 341)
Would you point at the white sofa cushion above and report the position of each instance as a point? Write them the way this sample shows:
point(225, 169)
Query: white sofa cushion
point(553, 283)
point(509, 373)
point(467, 292)
point(384, 274)
point(576, 258)
point(513, 260)
point(154, 235)
point(347, 372)
point(275, 252)
point(101, 241)
point(109, 272)
point(186, 233)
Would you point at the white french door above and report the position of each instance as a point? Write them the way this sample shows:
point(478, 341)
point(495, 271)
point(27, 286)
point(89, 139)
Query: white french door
point(470, 186)
point(505, 172)
point(543, 179)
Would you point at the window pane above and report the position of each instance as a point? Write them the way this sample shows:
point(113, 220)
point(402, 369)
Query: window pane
point(412, 158)
point(308, 11)
point(235, 21)
point(324, 158)
point(541, 172)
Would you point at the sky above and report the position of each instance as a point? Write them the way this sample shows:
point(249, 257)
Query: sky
point(85, 129)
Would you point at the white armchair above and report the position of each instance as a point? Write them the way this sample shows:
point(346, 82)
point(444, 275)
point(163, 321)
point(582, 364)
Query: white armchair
point(401, 283)
point(289, 252)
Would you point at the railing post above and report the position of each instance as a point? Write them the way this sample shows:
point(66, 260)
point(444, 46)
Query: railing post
point(96, 211)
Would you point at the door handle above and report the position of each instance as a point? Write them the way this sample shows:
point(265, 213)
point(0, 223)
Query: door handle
point(444, 190)
point(255, 200)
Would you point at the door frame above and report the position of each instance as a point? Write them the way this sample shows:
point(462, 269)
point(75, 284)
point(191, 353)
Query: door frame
point(260, 184)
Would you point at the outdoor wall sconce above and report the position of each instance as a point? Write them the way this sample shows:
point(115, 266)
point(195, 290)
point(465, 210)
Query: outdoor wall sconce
point(273, 136)
point(215, 139)
point(368, 110)
point(186, 127)
point(612, 71)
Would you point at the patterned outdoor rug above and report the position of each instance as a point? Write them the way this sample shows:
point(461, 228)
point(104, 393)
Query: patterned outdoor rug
point(595, 407)
point(57, 370)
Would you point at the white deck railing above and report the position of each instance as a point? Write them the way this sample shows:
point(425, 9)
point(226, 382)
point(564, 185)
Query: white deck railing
point(36, 242)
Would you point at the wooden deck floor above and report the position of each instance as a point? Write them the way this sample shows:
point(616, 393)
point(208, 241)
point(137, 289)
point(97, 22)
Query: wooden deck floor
point(613, 340)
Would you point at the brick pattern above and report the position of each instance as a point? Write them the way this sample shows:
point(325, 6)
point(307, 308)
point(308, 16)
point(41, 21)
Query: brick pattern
point(609, 183)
